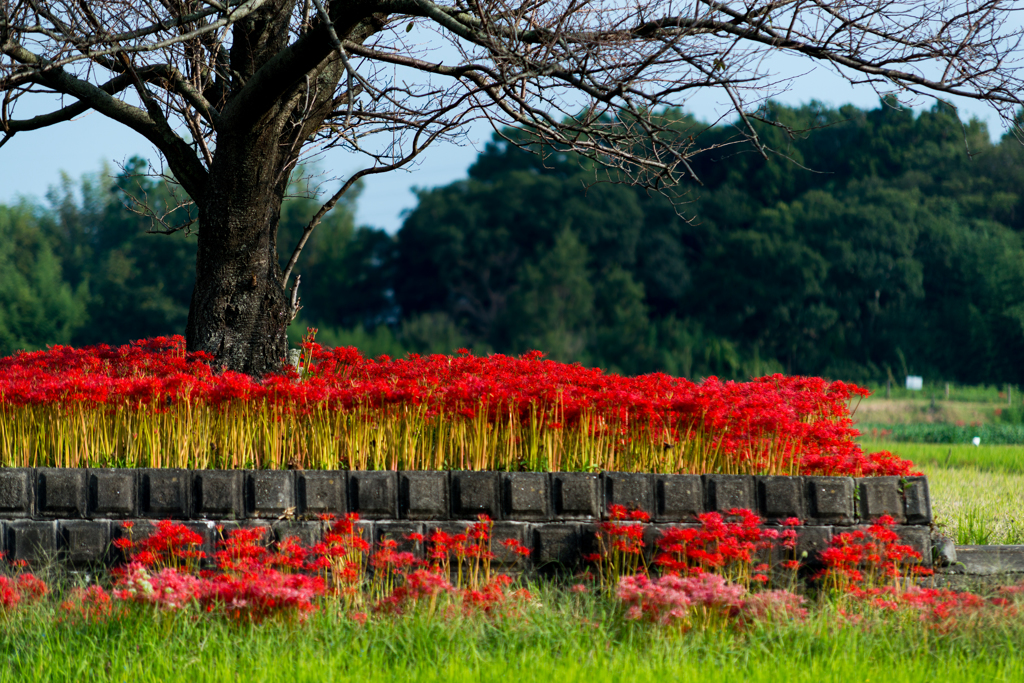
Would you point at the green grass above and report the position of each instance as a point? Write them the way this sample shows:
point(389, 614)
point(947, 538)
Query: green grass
point(977, 491)
point(562, 638)
point(990, 458)
point(976, 507)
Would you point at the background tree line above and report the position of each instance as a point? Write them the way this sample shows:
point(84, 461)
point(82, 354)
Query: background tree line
point(880, 243)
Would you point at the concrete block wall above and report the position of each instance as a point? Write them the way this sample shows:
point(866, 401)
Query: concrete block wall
point(74, 514)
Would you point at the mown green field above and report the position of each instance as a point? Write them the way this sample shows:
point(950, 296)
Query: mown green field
point(562, 637)
point(988, 458)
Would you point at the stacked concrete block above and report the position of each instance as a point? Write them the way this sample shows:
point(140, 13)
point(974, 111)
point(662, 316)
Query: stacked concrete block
point(307, 533)
point(217, 494)
point(634, 491)
point(17, 493)
point(75, 514)
point(830, 500)
point(373, 495)
point(880, 496)
point(724, 492)
point(475, 494)
point(918, 505)
point(577, 496)
point(84, 543)
point(780, 498)
point(679, 497)
point(165, 493)
point(322, 492)
point(423, 495)
point(61, 493)
point(527, 496)
point(270, 494)
point(113, 494)
point(557, 546)
point(505, 557)
point(400, 533)
point(30, 540)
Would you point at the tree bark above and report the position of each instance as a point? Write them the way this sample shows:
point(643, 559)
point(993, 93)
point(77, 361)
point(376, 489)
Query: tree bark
point(239, 310)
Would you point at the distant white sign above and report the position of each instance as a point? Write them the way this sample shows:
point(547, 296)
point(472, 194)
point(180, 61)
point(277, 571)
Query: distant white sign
point(915, 383)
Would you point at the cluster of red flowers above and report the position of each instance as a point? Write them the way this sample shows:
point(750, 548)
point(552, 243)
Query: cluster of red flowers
point(868, 557)
point(252, 581)
point(24, 588)
point(778, 424)
point(716, 574)
point(736, 546)
point(255, 580)
point(620, 543)
point(940, 608)
point(705, 601)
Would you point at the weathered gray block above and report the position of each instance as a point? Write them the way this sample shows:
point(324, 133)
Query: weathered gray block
point(780, 498)
point(138, 529)
point(322, 492)
point(61, 492)
point(917, 502)
point(476, 493)
point(680, 497)
point(211, 537)
point(84, 543)
point(830, 500)
point(165, 493)
point(988, 560)
point(308, 533)
point(880, 496)
point(724, 492)
point(811, 541)
point(113, 493)
point(373, 494)
point(577, 495)
point(556, 546)
point(218, 494)
point(943, 550)
point(527, 496)
point(17, 492)
point(399, 532)
point(920, 539)
point(270, 493)
point(634, 491)
point(33, 541)
point(423, 495)
point(521, 532)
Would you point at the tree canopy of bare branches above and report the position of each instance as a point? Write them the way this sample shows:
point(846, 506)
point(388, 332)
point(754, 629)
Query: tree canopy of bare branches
point(233, 92)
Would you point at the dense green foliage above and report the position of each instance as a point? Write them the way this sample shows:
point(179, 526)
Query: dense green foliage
point(875, 245)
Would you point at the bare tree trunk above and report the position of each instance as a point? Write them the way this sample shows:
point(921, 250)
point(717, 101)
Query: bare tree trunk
point(239, 310)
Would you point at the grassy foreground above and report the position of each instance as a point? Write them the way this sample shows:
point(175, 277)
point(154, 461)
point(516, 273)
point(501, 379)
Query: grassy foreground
point(562, 637)
point(975, 507)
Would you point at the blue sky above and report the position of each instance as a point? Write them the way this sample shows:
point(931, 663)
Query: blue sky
point(31, 162)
